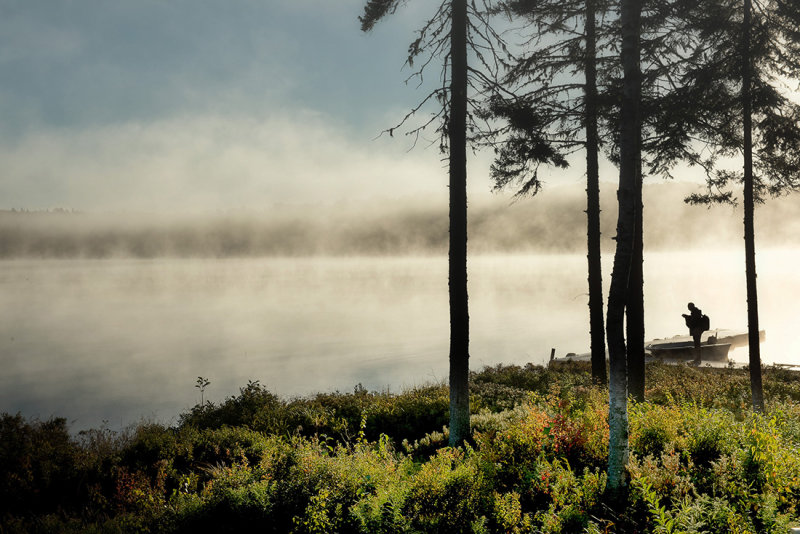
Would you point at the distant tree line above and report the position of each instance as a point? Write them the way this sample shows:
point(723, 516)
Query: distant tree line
point(548, 224)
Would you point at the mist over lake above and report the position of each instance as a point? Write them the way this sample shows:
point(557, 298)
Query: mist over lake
point(113, 316)
point(552, 222)
point(120, 339)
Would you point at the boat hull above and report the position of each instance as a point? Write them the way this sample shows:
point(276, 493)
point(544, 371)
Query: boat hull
point(717, 352)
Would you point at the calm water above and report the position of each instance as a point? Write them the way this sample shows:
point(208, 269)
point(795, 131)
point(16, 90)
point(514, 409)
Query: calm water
point(118, 340)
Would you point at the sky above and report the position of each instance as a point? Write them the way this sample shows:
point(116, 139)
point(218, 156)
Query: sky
point(208, 105)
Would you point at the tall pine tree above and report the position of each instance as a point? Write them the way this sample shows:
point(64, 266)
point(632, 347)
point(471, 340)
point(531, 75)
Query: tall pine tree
point(456, 27)
point(751, 49)
point(551, 113)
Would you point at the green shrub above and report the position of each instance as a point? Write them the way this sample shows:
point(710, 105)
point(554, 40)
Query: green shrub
point(560, 377)
point(254, 407)
point(449, 494)
point(507, 515)
point(327, 482)
point(700, 461)
point(575, 430)
point(227, 445)
point(493, 397)
point(408, 415)
point(652, 427)
point(228, 508)
point(41, 466)
point(710, 434)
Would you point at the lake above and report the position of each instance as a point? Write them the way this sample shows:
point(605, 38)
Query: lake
point(118, 340)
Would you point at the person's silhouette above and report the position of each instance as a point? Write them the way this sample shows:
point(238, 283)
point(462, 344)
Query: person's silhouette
point(697, 323)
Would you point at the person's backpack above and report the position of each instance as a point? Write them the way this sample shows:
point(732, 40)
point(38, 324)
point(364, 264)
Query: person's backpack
point(705, 322)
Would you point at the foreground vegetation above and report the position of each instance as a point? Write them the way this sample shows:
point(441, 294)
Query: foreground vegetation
point(701, 461)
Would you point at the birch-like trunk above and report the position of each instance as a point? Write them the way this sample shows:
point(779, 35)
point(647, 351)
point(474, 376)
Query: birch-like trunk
point(625, 255)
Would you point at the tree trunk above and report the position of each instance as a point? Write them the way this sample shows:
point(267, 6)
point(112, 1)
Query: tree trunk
point(596, 327)
point(749, 209)
point(615, 323)
point(459, 313)
point(635, 303)
point(624, 256)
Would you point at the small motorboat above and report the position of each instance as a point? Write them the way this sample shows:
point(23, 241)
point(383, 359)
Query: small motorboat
point(678, 349)
point(684, 350)
point(714, 347)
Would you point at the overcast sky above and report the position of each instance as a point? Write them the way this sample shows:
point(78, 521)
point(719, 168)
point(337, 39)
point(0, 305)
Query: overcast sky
point(209, 104)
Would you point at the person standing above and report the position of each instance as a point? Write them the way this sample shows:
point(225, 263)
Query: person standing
point(697, 323)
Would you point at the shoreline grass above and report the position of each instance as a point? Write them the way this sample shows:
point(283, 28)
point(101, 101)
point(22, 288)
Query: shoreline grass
point(700, 461)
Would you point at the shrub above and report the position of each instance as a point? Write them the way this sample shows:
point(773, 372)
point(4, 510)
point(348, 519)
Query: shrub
point(700, 462)
point(254, 407)
point(651, 428)
point(40, 470)
point(227, 507)
point(327, 482)
point(410, 415)
point(560, 500)
point(493, 397)
point(575, 430)
point(449, 494)
point(227, 445)
point(507, 515)
point(710, 434)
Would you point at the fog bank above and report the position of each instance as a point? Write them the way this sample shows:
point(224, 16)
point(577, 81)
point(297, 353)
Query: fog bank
point(552, 222)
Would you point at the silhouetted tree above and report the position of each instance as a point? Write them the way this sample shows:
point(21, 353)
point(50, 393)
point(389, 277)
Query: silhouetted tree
point(671, 116)
point(545, 119)
point(595, 280)
point(739, 84)
point(459, 314)
point(624, 256)
point(662, 118)
point(455, 27)
point(663, 49)
point(564, 111)
point(749, 208)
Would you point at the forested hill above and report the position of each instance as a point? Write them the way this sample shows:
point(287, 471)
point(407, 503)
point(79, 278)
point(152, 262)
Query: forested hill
point(552, 222)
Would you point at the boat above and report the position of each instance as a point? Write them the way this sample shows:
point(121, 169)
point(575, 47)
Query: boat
point(684, 350)
point(736, 339)
point(716, 344)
